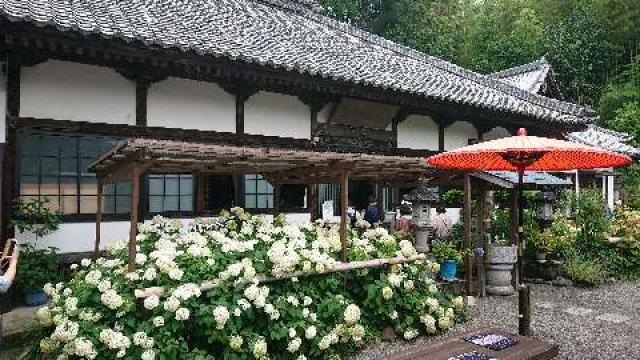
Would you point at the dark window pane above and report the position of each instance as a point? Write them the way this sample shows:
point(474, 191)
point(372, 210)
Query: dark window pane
point(263, 201)
point(109, 189)
point(50, 146)
point(69, 147)
point(123, 188)
point(186, 185)
point(186, 203)
point(69, 166)
point(156, 204)
point(250, 201)
point(109, 204)
point(49, 166)
point(156, 185)
point(171, 203)
point(172, 185)
point(84, 164)
point(123, 204)
point(29, 165)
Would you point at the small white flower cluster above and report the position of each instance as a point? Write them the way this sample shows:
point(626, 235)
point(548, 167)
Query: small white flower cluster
point(221, 316)
point(115, 340)
point(112, 299)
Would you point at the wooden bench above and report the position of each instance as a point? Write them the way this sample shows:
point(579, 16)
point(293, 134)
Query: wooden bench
point(526, 348)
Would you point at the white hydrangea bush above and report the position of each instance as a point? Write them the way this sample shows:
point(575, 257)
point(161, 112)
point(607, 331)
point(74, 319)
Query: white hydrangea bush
point(255, 308)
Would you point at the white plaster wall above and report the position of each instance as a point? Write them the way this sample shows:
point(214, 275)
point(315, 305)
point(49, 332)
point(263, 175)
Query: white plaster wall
point(497, 132)
point(274, 114)
point(80, 237)
point(418, 132)
point(3, 102)
point(71, 91)
point(189, 104)
point(458, 134)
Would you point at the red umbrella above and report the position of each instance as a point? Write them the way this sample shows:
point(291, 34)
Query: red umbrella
point(527, 153)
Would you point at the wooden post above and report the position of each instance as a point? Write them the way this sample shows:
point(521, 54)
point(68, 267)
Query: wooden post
point(513, 211)
point(135, 215)
point(524, 310)
point(466, 244)
point(96, 250)
point(9, 156)
point(200, 184)
point(480, 236)
point(344, 200)
point(312, 201)
point(487, 198)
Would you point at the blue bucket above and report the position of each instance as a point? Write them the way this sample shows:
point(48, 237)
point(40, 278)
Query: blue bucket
point(35, 298)
point(448, 269)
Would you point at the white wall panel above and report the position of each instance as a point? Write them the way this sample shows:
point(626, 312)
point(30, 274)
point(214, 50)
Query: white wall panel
point(189, 104)
point(418, 132)
point(458, 134)
point(274, 114)
point(497, 132)
point(79, 237)
point(71, 91)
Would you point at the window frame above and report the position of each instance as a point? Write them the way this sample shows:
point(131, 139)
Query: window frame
point(78, 174)
point(147, 195)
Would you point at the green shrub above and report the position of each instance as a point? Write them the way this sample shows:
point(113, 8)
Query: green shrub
point(37, 267)
point(583, 271)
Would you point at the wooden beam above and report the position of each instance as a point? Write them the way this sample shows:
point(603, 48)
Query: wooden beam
point(135, 215)
point(10, 154)
point(96, 249)
point(344, 201)
point(466, 244)
point(441, 128)
point(142, 91)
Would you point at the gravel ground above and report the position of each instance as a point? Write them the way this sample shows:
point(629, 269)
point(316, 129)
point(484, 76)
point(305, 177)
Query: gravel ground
point(602, 323)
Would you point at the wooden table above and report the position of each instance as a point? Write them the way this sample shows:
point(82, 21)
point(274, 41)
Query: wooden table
point(527, 348)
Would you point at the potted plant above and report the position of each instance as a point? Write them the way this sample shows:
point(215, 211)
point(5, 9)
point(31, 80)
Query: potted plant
point(448, 256)
point(36, 268)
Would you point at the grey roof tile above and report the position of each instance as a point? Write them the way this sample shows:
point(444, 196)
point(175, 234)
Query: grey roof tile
point(292, 35)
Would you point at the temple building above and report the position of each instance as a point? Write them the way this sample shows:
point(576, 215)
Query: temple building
point(243, 77)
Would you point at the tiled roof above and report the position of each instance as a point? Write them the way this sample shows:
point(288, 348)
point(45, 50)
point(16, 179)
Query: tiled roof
point(529, 77)
point(604, 138)
point(292, 35)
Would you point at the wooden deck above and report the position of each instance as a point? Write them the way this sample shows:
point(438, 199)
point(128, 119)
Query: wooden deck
point(527, 348)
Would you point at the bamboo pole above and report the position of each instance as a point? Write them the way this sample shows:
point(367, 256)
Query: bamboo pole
point(96, 249)
point(339, 267)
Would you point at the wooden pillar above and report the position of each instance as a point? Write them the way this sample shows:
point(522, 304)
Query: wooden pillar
point(200, 184)
point(513, 212)
point(480, 235)
point(96, 249)
point(142, 90)
point(344, 201)
point(466, 244)
point(9, 156)
point(276, 199)
point(135, 215)
point(312, 201)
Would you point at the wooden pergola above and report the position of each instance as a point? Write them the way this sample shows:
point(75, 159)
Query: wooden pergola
point(136, 156)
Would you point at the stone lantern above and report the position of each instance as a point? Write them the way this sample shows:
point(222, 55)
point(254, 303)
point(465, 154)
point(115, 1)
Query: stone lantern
point(422, 198)
point(544, 213)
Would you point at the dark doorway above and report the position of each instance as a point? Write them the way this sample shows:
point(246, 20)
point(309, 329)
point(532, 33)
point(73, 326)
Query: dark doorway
point(218, 193)
point(359, 191)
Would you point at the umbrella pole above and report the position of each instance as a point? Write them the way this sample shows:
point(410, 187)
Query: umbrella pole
point(524, 305)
